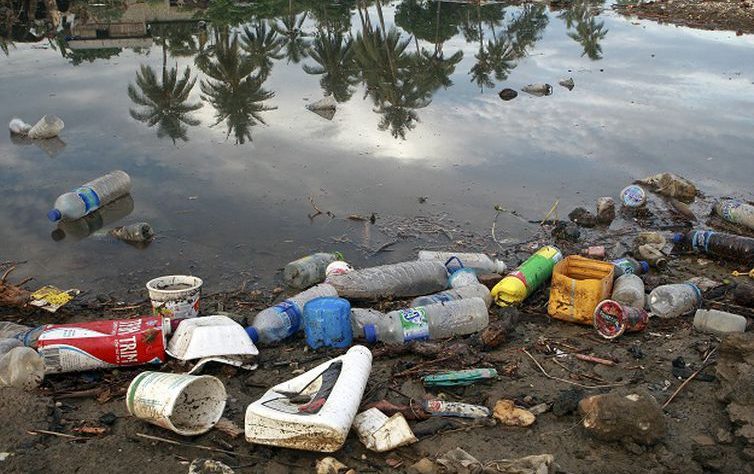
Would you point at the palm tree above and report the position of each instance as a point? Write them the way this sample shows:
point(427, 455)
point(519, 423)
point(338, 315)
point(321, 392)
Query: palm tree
point(234, 88)
point(164, 103)
point(334, 56)
point(263, 45)
point(296, 40)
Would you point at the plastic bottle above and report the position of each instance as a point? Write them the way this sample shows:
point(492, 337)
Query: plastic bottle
point(91, 196)
point(628, 265)
point(462, 277)
point(21, 367)
point(671, 301)
point(399, 280)
point(478, 261)
point(731, 247)
point(529, 276)
point(628, 289)
point(470, 291)
point(736, 211)
point(284, 319)
point(10, 330)
point(327, 322)
point(48, 126)
point(718, 322)
point(94, 221)
point(7, 344)
point(360, 317)
point(309, 270)
point(436, 321)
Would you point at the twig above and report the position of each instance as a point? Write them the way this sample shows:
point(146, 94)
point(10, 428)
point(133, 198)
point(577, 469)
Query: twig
point(55, 433)
point(596, 360)
point(192, 445)
point(691, 377)
point(7, 272)
point(544, 372)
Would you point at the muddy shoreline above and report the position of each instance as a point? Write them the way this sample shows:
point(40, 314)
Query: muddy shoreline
point(731, 15)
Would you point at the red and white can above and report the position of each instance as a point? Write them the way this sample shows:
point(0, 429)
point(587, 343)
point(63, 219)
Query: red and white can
point(101, 344)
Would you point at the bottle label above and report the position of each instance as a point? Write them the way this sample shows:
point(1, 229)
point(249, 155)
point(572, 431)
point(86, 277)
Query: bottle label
point(90, 198)
point(415, 324)
point(700, 240)
point(294, 316)
point(624, 265)
point(727, 210)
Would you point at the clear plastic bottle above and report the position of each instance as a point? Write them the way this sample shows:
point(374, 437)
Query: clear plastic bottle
point(718, 244)
point(671, 301)
point(718, 322)
point(436, 321)
point(628, 265)
point(91, 196)
point(471, 291)
point(94, 221)
point(309, 270)
point(629, 290)
point(463, 277)
point(478, 261)
point(21, 367)
point(399, 280)
point(10, 330)
point(284, 319)
point(736, 211)
point(7, 344)
point(360, 317)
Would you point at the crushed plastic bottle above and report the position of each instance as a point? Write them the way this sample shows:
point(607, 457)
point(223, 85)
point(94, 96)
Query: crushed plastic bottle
point(21, 367)
point(628, 289)
point(309, 270)
point(718, 322)
point(671, 301)
point(48, 126)
point(629, 266)
point(730, 247)
point(91, 196)
point(470, 291)
point(399, 280)
point(436, 321)
point(477, 261)
point(736, 212)
point(284, 319)
point(10, 330)
point(529, 276)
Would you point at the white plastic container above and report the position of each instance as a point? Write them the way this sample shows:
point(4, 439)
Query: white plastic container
point(186, 404)
point(477, 261)
point(315, 410)
point(718, 322)
point(671, 301)
point(175, 296)
point(210, 336)
point(381, 433)
point(628, 289)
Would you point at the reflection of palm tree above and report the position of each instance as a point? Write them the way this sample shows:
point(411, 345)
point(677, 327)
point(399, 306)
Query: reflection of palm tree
point(434, 70)
point(178, 38)
point(164, 103)
point(589, 32)
point(296, 40)
point(234, 90)
point(334, 55)
point(263, 45)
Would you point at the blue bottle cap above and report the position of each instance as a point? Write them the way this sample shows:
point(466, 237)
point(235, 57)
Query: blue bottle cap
point(370, 334)
point(644, 266)
point(54, 215)
point(252, 332)
point(677, 238)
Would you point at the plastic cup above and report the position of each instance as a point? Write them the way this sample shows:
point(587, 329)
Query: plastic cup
point(186, 404)
point(175, 296)
point(612, 319)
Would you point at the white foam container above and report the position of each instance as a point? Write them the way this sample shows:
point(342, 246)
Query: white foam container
point(381, 433)
point(175, 304)
point(210, 336)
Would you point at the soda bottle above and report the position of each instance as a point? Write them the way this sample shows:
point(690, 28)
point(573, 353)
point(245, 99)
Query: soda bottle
point(717, 244)
point(529, 276)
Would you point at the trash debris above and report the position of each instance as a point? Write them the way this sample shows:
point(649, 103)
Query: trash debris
point(529, 276)
point(567, 83)
point(94, 221)
point(507, 413)
point(325, 107)
point(399, 280)
point(595, 251)
point(338, 267)
point(578, 285)
point(90, 196)
point(508, 94)
point(671, 301)
point(48, 126)
point(681, 209)
point(50, 298)
point(327, 322)
point(91, 345)
point(19, 127)
point(736, 212)
point(670, 185)
point(743, 294)
point(582, 217)
point(718, 322)
point(309, 270)
point(628, 289)
point(475, 261)
point(175, 296)
point(459, 461)
point(566, 231)
point(330, 465)
point(315, 410)
point(605, 210)
point(211, 337)
point(629, 266)
point(728, 246)
point(423, 466)
point(139, 232)
point(381, 433)
point(464, 292)
point(284, 319)
point(21, 367)
point(13, 295)
point(615, 417)
point(186, 404)
point(458, 377)
point(455, 409)
point(209, 466)
point(612, 319)
point(538, 89)
point(228, 427)
point(633, 196)
point(499, 330)
point(649, 247)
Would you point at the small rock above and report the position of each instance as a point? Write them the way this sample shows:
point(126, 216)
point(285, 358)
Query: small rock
point(567, 401)
point(583, 217)
point(330, 465)
point(508, 414)
point(537, 410)
point(723, 436)
point(508, 94)
point(703, 440)
point(208, 466)
point(612, 417)
point(423, 466)
point(567, 83)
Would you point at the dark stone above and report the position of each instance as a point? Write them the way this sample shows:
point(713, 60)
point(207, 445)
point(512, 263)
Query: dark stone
point(636, 352)
point(583, 217)
point(566, 231)
point(489, 279)
point(108, 418)
point(508, 94)
point(567, 402)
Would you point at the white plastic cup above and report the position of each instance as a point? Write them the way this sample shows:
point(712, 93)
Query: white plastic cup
point(175, 296)
point(186, 404)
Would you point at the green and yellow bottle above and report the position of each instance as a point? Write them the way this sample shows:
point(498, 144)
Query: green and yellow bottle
point(529, 276)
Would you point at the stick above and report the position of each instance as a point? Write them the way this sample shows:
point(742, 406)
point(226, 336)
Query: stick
point(55, 433)
point(542, 369)
point(552, 209)
point(691, 377)
point(191, 445)
point(596, 360)
point(7, 272)
point(314, 206)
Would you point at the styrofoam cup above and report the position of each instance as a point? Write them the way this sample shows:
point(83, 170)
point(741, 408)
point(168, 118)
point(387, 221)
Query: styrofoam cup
point(186, 404)
point(175, 303)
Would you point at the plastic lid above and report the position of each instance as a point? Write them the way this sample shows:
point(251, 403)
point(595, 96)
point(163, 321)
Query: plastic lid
point(500, 266)
point(370, 333)
point(644, 266)
point(252, 332)
point(677, 238)
point(54, 215)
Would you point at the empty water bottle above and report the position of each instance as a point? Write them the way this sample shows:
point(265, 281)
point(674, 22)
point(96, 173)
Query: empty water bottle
point(470, 291)
point(399, 280)
point(628, 265)
point(94, 221)
point(477, 261)
point(731, 247)
point(309, 270)
point(718, 322)
point(284, 319)
point(737, 212)
point(7, 344)
point(671, 301)
point(10, 330)
point(89, 197)
point(436, 321)
point(463, 277)
point(48, 126)
point(21, 367)
point(629, 290)
point(360, 317)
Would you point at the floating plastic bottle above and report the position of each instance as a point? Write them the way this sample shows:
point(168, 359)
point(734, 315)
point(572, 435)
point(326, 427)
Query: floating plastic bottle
point(284, 319)
point(671, 301)
point(399, 280)
point(327, 322)
point(628, 289)
point(736, 212)
point(21, 367)
point(309, 270)
point(529, 276)
point(436, 321)
point(477, 261)
point(727, 246)
point(718, 322)
point(470, 291)
point(105, 216)
point(48, 126)
point(629, 266)
point(91, 196)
